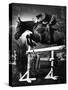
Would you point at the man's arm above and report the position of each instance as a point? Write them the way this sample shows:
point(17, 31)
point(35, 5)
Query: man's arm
point(53, 20)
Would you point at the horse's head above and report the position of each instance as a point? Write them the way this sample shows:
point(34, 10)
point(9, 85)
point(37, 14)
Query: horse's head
point(19, 29)
point(22, 26)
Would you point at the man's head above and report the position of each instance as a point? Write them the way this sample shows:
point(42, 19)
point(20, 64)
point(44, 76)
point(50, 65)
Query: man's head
point(38, 18)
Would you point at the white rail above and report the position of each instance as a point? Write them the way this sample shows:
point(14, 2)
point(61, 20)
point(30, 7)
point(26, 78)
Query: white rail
point(46, 49)
point(50, 74)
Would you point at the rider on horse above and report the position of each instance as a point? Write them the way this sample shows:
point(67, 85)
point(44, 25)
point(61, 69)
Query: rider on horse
point(48, 21)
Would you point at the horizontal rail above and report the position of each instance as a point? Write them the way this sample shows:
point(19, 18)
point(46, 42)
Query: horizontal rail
point(46, 49)
point(44, 59)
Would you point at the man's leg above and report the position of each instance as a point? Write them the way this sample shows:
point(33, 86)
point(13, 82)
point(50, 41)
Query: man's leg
point(52, 35)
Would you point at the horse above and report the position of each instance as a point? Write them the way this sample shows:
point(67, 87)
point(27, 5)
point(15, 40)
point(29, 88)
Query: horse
point(40, 33)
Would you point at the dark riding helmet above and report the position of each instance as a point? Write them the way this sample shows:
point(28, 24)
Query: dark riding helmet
point(39, 16)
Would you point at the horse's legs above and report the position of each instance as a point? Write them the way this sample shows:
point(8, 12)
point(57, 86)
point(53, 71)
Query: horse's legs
point(30, 41)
